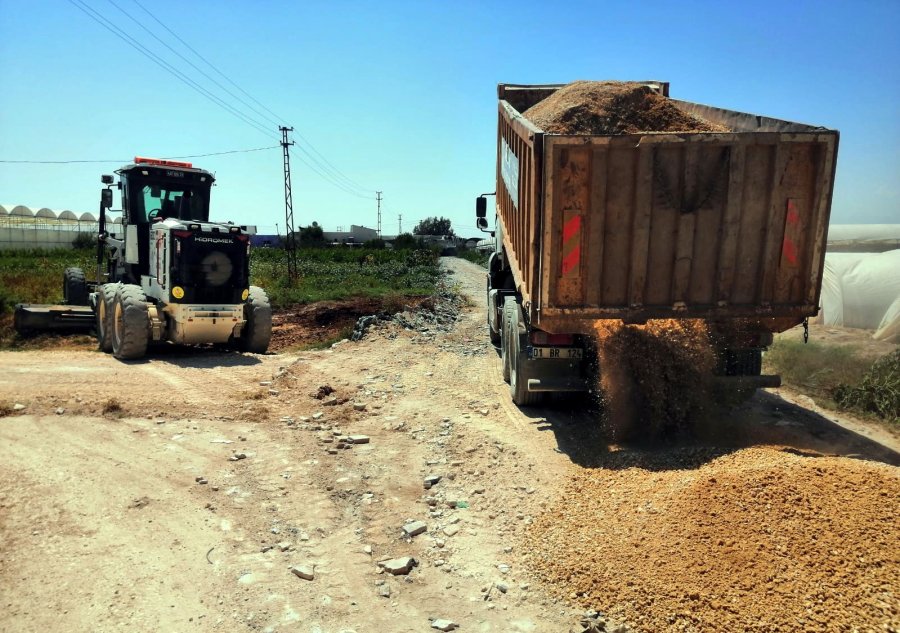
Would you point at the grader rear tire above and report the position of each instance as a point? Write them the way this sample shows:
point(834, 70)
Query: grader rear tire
point(131, 323)
point(75, 292)
point(106, 297)
point(258, 330)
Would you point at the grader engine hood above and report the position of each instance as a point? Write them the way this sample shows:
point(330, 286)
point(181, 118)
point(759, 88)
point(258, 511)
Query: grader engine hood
point(208, 264)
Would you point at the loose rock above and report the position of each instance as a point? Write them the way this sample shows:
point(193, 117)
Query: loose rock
point(399, 566)
point(303, 571)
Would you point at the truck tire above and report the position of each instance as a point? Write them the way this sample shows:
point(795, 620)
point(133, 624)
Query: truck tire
point(518, 380)
point(131, 323)
point(258, 329)
point(509, 306)
point(106, 297)
point(75, 292)
point(494, 336)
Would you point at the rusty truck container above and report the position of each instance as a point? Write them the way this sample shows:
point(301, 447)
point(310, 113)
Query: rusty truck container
point(718, 226)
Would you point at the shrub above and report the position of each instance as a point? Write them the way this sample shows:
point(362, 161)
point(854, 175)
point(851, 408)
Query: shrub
point(84, 240)
point(878, 392)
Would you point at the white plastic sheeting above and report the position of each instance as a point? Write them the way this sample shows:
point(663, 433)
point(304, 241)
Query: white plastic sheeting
point(862, 290)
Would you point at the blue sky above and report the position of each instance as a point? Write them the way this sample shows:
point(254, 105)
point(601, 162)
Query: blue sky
point(401, 96)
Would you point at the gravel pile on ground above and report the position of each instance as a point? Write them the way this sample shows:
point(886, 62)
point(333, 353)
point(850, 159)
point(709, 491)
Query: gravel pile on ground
point(757, 540)
point(612, 107)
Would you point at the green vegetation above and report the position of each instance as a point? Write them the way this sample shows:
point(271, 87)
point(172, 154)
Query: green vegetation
point(434, 226)
point(473, 255)
point(35, 276)
point(341, 273)
point(878, 392)
point(839, 377)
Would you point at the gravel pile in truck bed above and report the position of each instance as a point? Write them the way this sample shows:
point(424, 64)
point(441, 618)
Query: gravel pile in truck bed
point(695, 539)
point(612, 107)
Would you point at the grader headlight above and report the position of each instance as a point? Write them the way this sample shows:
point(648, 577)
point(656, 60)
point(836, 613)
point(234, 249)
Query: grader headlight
point(178, 292)
point(245, 294)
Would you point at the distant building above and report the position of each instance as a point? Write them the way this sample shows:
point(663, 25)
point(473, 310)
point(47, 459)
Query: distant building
point(356, 235)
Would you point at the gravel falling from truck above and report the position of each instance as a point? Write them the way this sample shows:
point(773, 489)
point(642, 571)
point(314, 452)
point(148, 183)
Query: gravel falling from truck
point(654, 378)
point(613, 107)
point(702, 539)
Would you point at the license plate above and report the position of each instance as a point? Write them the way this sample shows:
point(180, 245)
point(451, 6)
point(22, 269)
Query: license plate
point(556, 353)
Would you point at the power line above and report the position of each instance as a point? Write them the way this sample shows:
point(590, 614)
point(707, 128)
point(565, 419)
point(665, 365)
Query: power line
point(324, 176)
point(109, 26)
point(330, 173)
point(190, 48)
point(126, 160)
point(192, 64)
point(324, 164)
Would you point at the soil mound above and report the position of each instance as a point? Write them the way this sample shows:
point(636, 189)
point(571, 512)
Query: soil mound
point(763, 539)
point(612, 107)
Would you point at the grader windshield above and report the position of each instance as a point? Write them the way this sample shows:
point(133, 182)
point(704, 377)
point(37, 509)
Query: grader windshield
point(162, 192)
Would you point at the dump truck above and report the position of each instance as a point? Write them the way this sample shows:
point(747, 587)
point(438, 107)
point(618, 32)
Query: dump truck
point(724, 226)
point(164, 273)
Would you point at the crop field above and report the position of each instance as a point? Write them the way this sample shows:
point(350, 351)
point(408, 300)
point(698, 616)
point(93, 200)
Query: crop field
point(325, 274)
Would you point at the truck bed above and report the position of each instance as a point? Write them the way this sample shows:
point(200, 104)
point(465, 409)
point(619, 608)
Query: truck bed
point(664, 225)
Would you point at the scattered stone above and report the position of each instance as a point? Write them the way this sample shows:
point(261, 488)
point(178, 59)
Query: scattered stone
point(201, 480)
point(502, 587)
point(265, 383)
point(478, 491)
point(358, 439)
point(285, 546)
point(317, 415)
point(414, 528)
point(18, 407)
point(431, 480)
point(504, 569)
point(330, 402)
point(451, 530)
point(273, 392)
point(237, 457)
point(324, 390)
point(367, 549)
point(444, 625)
point(399, 566)
point(60, 411)
point(359, 406)
point(384, 591)
point(332, 451)
point(303, 571)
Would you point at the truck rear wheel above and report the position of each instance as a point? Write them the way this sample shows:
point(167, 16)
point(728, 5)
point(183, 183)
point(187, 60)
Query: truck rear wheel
point(106, 297)
point(131, 323)
point(258, 329)
point(509, 306)
point(518, 379)
point(75, 291)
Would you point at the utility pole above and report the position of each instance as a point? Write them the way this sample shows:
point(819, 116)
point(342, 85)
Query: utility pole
point(378, 198)
point(400, 224)
point(290, 247)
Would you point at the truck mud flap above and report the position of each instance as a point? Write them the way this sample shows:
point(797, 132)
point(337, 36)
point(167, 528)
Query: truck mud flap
point(564, 384)
point(748, 382)
point(32, 318)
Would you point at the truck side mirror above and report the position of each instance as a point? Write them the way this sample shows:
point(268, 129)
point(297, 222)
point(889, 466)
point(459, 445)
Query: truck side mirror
point(481, 207)
point(106, 198)
point(481, 222)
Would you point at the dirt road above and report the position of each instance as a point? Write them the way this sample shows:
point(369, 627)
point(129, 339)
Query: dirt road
point(177, 493)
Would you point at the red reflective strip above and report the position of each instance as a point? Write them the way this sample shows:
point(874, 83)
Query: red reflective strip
point(571, 228)
point(792, 216)
point(571, 260)
point(789, 251)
